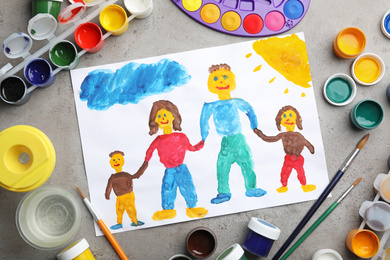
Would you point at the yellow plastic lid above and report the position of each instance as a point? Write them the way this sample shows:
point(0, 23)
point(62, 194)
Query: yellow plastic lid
point(27, 158)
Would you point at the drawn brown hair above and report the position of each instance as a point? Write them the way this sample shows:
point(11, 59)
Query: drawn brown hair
point(278, 118)
point(169, 106)
point(116, 152)
point(218, 67)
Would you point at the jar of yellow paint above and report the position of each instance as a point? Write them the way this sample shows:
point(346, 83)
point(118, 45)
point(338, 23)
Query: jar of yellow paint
point(368, 69)
point(349, 43)
point(79, 250)
point(363, 242)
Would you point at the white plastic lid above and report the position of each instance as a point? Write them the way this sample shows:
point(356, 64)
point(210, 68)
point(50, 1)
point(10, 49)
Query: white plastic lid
point(42, 26)
point(17, 45)
point(71, 13)
point(264, 228)
point(73, 250)
point(234, 252)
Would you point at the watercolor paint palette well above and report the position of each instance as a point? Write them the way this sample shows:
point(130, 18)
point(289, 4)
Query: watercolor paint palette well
point(246, 17)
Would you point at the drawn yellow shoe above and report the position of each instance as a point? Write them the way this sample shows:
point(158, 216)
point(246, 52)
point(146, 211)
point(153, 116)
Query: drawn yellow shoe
point(196, 212)
point(308, 187)
point(164, 214)
point(282, 189)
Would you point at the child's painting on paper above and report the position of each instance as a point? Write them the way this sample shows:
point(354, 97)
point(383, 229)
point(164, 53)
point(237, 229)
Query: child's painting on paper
point(204, 133)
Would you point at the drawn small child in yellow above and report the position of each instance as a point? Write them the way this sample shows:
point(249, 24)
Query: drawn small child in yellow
point(122, 184)
point(293, 144)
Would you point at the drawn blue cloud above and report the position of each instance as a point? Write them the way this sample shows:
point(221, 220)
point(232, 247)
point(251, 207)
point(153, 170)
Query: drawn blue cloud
point(131, 83)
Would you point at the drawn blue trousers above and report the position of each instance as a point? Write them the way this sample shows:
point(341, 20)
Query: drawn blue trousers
point(176, 177)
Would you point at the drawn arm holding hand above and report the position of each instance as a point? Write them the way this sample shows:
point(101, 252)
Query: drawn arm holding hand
point(266, 138)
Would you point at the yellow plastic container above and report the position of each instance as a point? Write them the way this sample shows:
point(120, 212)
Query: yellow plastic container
point(113, 18)
point(79, 250)
point(27, 158)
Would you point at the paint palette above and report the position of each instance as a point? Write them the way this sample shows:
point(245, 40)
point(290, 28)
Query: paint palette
point(246, 17)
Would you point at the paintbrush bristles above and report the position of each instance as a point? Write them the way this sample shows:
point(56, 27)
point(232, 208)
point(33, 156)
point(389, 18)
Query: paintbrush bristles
point(357, 181)
point(363, 142)
point(82, 194)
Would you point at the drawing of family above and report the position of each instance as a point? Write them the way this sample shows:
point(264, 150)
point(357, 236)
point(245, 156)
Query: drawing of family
point(172, 146)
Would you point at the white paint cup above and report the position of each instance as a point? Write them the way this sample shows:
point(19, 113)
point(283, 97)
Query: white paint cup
point(140, 8)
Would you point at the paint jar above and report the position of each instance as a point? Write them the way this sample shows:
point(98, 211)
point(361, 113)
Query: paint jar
point(42, 26)
point(349, 43)
point(201, 242)
point(27, 158)
point(64, 55)
point(52, 7)
point(17, 45)
point(368, 69)
point(179, 257)
point(367, 114)
point(363, 242)
point(89, 37)
point(140, 8)
point(376, 214)
point(382, 185)
point(339, 89)
point(38, 72)
point(326, 254)
point(234, 252)
point(79, 250)
point(113, 19)
point(385, 24)
point(71, 13)
point(48, 217)
point(260, 237)
point(14, 91)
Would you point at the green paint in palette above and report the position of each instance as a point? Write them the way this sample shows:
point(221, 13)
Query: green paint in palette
point(64, 55)
point(338, 90)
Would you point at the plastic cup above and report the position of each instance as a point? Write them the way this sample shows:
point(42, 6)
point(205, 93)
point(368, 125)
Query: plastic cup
point(367, 114)
point(42, 26)
point(113, 19)
point(339, 89)
point(48, 217)
point(140, 8)
point(368, 69)
point(14, 91)
point(201, 242)
point(52, 7)
point(382, 185)
point(17, 45)
point(64, 55)
point(89, 37)
point(38, 72)
point(349, 43)
point(363, 242)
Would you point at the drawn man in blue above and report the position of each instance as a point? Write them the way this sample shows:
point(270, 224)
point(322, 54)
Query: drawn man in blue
point(234, 148)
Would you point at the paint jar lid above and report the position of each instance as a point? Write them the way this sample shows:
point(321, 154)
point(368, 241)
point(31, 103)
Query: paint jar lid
point(88, 3)
point(27, 158)
point(42, 26)
point(71, 13)
point(17, 45)
point(339, 89)
point(74, 250)
point(264, 228)
point(234, 252)
point(5, 69)
point(385, 24)
point(368, 69)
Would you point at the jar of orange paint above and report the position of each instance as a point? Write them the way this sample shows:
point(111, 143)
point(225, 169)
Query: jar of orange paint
point(349, 43)
point(363, 242)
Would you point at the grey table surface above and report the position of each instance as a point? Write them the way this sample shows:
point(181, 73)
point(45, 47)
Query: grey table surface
point(169, 30)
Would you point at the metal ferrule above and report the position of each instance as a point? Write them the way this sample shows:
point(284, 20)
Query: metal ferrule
point(350, 159)
point(92, 210)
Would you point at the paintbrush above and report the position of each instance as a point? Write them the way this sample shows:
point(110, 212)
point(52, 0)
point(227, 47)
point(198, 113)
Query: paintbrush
point(319, 220)
point(103, 226)
point(323, 196)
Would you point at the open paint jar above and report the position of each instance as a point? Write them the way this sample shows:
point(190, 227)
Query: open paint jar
point(234, 252)
point(368, 69)
point(201, 242)
point(48, 217)
point(326, 254)
point(64, 55)
point(14, 91)
point(89, 37)
point(363, 242)
point(382, 185)
point(260, 237)
point(113, 19)
point(376, 214)
point(179, 257)
point(79, 250)
point(349, 43)
point(385, 25)
point(140, 8)
point(339, 89)
point(367, 114)
point(39, 72)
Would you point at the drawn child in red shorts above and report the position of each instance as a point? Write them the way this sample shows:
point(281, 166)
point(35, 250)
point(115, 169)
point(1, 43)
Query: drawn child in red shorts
point(293, 144)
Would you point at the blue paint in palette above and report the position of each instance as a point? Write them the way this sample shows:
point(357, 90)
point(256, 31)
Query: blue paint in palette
point(39, 72)
point(131, 83)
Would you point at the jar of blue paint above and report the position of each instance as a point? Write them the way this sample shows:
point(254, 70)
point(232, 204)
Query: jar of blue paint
point(260, 237)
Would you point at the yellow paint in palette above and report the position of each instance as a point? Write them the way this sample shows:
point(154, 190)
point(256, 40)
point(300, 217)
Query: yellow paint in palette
point(367, 69)
point(113, 18)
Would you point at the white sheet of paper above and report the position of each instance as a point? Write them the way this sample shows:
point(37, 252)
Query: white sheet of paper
point(125, 128)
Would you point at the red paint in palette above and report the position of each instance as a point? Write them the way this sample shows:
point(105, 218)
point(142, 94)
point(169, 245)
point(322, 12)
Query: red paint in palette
point(89, 37)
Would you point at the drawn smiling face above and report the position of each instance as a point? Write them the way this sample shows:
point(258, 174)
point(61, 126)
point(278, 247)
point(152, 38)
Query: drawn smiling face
point(164, 119)
point(222, 82)
point(117, 161)
point(289, 120)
